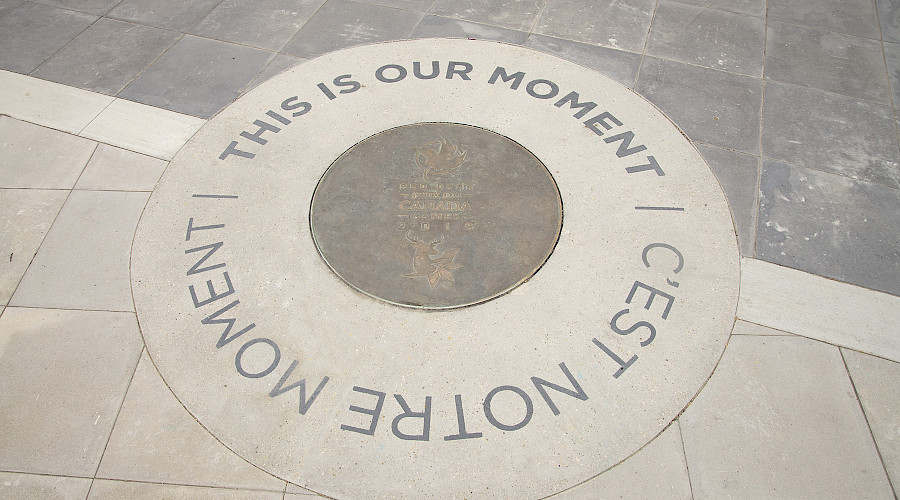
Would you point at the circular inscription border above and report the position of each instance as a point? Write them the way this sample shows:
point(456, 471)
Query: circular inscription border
point(522, 396)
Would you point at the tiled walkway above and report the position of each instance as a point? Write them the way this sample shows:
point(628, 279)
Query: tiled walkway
point(790, 102)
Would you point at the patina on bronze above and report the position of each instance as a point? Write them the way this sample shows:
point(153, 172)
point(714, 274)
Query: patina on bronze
point(436, 215)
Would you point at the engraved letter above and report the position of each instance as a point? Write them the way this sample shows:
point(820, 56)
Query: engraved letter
point(279, 388)
point(424, 415)
point(591, 123)
point(615, 326)
point(224, 339)
point(213, 296)
point(461, 422)
point(578, 393)
point(572, 98)
point(212, 249)
point(500, 72)
point(276, 357)
point(626, 138)
point(375, 413)
point(529, 408)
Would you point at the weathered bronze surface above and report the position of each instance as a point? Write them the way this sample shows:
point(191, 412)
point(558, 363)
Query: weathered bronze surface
point(436, 215)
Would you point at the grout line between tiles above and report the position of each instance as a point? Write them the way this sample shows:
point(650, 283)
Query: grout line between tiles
point(687, 466)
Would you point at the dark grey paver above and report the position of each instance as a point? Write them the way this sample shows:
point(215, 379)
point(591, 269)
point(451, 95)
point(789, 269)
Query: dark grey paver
point(829, 225)
point(416, 5)
point(279, 63)
point(834, 62)
point(197, 76)
point(611, 23)
point(855, 17)
point(345, 23)
point(707, 37)
point(750, 7)
point(619, 65)
point(444, 27)
point(892, 58)
point(829, 132)
point(738, 174)
point(267, 24)
point(95, 7)
point(889, 17)
point(512, 14)
point(713, 107)
point(30, 33)
point(107, 56)
point(175, 15)
point(8, 5)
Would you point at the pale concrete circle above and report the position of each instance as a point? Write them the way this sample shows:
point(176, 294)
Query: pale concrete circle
point(522, 396)
point(436, 215)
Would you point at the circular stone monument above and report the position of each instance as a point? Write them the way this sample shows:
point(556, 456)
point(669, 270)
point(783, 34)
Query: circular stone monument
point(361, 279)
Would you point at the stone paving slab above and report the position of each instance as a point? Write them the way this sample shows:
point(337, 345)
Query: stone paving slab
point(156, 440)
point(63, 375)
point(38, 157)
point(765, 407)
point(83, 261)
point(25, 218)
point(820, 308)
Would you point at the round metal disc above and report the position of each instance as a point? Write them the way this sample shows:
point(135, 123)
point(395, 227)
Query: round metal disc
point(436, 215)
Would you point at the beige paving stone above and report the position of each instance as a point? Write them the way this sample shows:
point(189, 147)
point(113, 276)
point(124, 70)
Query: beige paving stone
point(63, 376)
point(118, 169)
point(155, 439)
point(31, 486)
point(116, 490)
point(144, 129)
point(820, 308)
point(50, 104)
point(32, 156)
point(657, 471)
point(745, 328)
point(83, 262)
point(25, 218)
point(877, 383)
point(779, 419)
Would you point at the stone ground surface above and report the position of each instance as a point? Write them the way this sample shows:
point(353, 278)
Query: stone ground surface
point(790, 102)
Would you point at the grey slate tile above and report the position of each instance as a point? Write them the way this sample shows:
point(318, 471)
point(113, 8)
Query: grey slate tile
point(854, 17)
point(750, 7)
point(512, 14)
point(889, 17)
point(30, 33)
point(829, 225)
point(838, 63)
point(612, 23)
point(837, 134)
point(345, 23)
point(267, 24)
point(107, 56)
point(197, 76)
point(8, 5)
point(281, 62)
point(707, 37)
point(619, 65)
point(892, 58)
point(443, 27)
point(738, 174)
point(94, 7)
point(712, 107)
point(416, 5)
point(175, 15)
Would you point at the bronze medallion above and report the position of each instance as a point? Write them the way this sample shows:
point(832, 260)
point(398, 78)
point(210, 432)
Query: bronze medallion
point(436, 215)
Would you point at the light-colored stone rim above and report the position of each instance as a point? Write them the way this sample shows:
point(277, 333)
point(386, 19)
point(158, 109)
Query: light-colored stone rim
point(697, 156)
